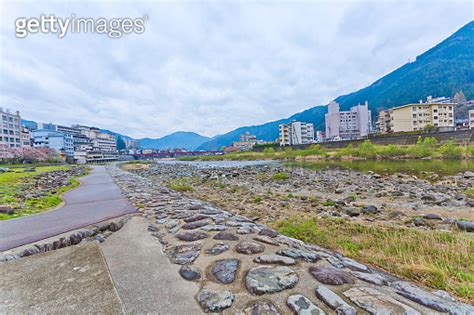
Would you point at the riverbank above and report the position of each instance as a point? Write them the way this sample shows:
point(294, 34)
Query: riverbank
point(413, 227)
point(30, 190)
point(426, 148)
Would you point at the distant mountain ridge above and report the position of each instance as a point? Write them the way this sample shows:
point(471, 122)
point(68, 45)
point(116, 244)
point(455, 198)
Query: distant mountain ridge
point(441, 71)
point(181, 139)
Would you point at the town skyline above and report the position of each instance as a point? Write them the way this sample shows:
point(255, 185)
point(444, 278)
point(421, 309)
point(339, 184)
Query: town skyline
point(300, 76)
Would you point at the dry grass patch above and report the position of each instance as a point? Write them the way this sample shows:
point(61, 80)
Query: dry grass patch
point(436, 259)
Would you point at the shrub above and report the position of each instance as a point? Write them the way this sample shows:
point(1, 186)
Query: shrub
point(349, 150)
point(366, 150)
point(423, 147)
point(390, 151)
point(470, 151)
point(450, 150)
point(270, 151)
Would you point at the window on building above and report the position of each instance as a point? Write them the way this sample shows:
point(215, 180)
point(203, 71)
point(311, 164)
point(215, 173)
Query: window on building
point(414, 108)
point(414, 115)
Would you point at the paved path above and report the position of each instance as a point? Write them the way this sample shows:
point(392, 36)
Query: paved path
point(146, 281)
point(73, 280)
point(97, 199)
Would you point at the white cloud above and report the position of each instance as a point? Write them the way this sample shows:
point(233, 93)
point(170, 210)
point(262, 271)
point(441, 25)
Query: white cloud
point(210, 67)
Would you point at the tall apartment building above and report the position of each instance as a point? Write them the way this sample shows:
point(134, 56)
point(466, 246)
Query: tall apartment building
point(355, 123)
point(437, 113)
point(471, 118)
point(59, 141)
point(295, 133)
point(101, 141)
point(10, 128)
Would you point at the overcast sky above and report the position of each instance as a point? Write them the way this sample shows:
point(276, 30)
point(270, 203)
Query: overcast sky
point(210, 67)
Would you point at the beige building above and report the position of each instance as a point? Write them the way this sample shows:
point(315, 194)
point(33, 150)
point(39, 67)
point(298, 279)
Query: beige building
point(295, 133)
point(418, 116)
point(247, 142)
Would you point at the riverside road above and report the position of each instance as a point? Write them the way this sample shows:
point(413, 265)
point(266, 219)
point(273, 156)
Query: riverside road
point(97, 199)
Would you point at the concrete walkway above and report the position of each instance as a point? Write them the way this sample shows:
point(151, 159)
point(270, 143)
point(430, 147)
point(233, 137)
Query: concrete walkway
point(97, 199)
point(72, 280)
point(146, 281)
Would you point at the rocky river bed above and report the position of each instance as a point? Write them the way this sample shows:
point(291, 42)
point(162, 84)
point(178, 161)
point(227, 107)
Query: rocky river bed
point(270, 192)
point(244, 267)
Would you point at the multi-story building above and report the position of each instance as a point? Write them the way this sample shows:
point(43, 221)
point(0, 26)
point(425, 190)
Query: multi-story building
point(295, 133)
point(26, 138)
point(384, 121)
point(436, 113)
point(131, 144)
point(61, 142)
point(246, 141)
point(471, 118)
point(346, 125)
point(10, 129)
point(101, 141)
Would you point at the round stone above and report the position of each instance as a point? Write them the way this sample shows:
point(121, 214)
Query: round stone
point(191, 236)
point(225, 270)
point(184, 253)
point(330, 275)
point(301, 305)
point(268, 232)
point(249, 247)
point(190, 272)
point(194, 225)
point(270, 279)
point(197, 217)
point(266, 240)
point(261, 308)
point(215, 301)
point(226, 236)
point(217, 249)
point(299, 254)
point(274, 259)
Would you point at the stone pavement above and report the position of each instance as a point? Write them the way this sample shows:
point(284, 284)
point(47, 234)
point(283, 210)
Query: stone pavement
point(242, 267)
point(184, 256)
point(146, 280)
point(96, 199)
point(71, 280)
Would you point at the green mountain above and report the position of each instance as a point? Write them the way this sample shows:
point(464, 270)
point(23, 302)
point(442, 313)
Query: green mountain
point(441, 71)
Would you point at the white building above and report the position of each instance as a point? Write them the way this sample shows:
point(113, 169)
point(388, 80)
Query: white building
point(295, 133)
point(101, 141)
point(10, 129)
point(355, 123)
point(25, 138)
point(471, 118)
point(61, 142)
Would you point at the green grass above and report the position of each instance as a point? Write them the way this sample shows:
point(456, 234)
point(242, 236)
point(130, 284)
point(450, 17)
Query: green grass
point(280, 176)
point(181, 184)
point(11, 184)
point(437, 259)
